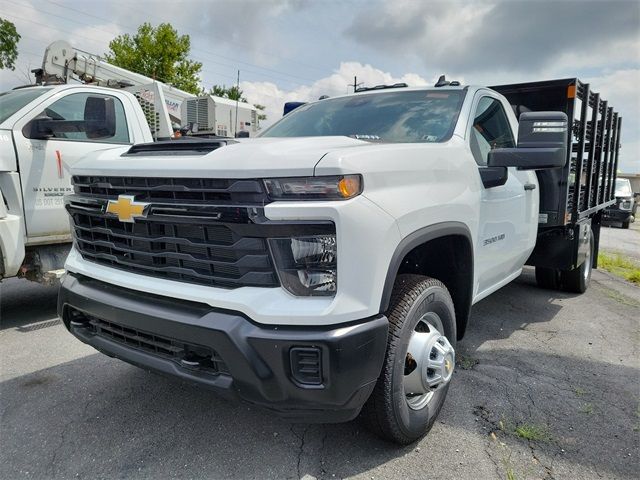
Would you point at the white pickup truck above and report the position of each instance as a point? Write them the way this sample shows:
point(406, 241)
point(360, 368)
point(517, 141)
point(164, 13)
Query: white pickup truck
point(328, 268)
point(44, 130)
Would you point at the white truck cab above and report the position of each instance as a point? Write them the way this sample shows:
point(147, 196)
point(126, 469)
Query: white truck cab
point(44, 130)
point(327, 268)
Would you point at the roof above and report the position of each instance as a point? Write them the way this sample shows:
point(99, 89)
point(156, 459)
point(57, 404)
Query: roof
point(226, 101)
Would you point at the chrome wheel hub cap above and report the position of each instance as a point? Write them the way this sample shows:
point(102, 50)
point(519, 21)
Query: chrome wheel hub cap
point(429, 363)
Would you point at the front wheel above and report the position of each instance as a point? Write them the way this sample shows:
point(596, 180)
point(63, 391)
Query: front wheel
point(419, 361)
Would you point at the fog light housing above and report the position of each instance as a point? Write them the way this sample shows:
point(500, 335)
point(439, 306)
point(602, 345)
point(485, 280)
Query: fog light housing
point(306, 365)
point(307, 266)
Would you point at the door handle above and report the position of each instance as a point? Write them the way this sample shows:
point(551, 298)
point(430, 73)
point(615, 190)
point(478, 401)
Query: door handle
point(529, 186)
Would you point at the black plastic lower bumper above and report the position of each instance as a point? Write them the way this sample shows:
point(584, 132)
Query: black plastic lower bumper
point(615, 215)
point(227, 352)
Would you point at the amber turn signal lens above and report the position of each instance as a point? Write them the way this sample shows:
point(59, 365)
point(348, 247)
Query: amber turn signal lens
point(349, 186)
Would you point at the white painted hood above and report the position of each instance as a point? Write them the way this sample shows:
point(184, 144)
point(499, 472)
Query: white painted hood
point(249, 158)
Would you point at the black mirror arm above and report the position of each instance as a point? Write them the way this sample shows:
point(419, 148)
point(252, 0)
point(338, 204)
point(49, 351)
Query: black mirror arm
point(528, 158)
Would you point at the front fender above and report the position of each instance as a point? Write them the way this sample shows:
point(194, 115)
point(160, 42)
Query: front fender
point(460, 286)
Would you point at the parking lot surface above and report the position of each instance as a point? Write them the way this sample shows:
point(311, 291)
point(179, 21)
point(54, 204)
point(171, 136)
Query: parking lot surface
point(547, 386)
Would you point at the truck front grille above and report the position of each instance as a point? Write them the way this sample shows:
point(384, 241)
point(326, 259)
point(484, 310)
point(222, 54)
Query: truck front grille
point(181, 238)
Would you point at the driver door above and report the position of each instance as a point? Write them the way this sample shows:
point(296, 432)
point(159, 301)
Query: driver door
point(508, 214)
point(44, 164)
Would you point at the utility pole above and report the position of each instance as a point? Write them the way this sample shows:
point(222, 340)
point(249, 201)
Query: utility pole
point(355, 84)
point(235, 133)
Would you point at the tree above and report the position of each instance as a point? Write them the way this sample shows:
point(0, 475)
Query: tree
point(260, 108)
point(234, 93)
point(9, 39)
point(157, 52)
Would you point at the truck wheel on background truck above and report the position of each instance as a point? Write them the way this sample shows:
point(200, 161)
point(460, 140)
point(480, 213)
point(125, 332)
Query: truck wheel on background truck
point(548, 278)
point(577, 280)
point(419, 361)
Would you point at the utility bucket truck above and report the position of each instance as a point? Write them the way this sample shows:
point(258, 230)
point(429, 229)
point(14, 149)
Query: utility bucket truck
point(81, 104)
point(327, 268)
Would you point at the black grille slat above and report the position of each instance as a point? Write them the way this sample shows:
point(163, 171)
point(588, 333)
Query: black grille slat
point(173, 190)
point(208, 360)
point(179, 239)
point(196, 250)
point(252, 262)
point(176, 272)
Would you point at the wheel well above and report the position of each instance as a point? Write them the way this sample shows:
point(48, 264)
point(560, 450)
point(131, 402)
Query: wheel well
point(450, 260)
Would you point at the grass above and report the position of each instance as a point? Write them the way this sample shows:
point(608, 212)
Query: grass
point(532, 432)
point(620, 266)
point(587, 408)
point(509, 472)
point(467, 363)
point(579, 391)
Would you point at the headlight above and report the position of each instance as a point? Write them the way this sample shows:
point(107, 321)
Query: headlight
point(307, 265)
point(314, 188)
point(625, 204)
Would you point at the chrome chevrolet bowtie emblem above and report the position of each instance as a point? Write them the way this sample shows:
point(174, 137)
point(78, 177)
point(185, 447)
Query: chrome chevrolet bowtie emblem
point(127, 209)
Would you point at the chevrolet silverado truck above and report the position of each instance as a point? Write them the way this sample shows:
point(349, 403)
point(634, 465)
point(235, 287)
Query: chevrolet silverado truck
point(327, 269)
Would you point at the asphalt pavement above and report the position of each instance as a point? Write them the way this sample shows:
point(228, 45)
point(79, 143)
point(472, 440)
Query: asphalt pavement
point(547, 386)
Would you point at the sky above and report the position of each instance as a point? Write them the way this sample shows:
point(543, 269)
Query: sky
point(298, 50)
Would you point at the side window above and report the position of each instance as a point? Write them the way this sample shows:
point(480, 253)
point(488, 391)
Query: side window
point(72, 107)
point(490, 129)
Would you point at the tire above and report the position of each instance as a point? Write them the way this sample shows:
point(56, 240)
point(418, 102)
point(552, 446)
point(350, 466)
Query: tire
point(578, 279)
point(625, 224)
point(387, 412)
point(548, 278)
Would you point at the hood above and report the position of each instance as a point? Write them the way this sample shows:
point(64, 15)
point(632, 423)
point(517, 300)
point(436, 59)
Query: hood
point(249, 158)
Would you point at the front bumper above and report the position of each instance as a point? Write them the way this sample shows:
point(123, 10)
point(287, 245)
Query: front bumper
point(254, 363)
point(11, 245)
point(615, 215)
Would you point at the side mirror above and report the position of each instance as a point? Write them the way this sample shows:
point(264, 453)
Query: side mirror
point(543, 139)
point(99, 121)
point(99, 117)
point(493, 176)
point(39, 128)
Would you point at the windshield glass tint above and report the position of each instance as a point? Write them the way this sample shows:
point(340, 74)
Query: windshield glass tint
point(623, 188)
point(11, 102)
point(409, 116)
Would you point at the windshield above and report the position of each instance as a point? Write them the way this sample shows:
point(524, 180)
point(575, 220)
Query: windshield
point(623, 188)
point(408, 116)
point(14, 100)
